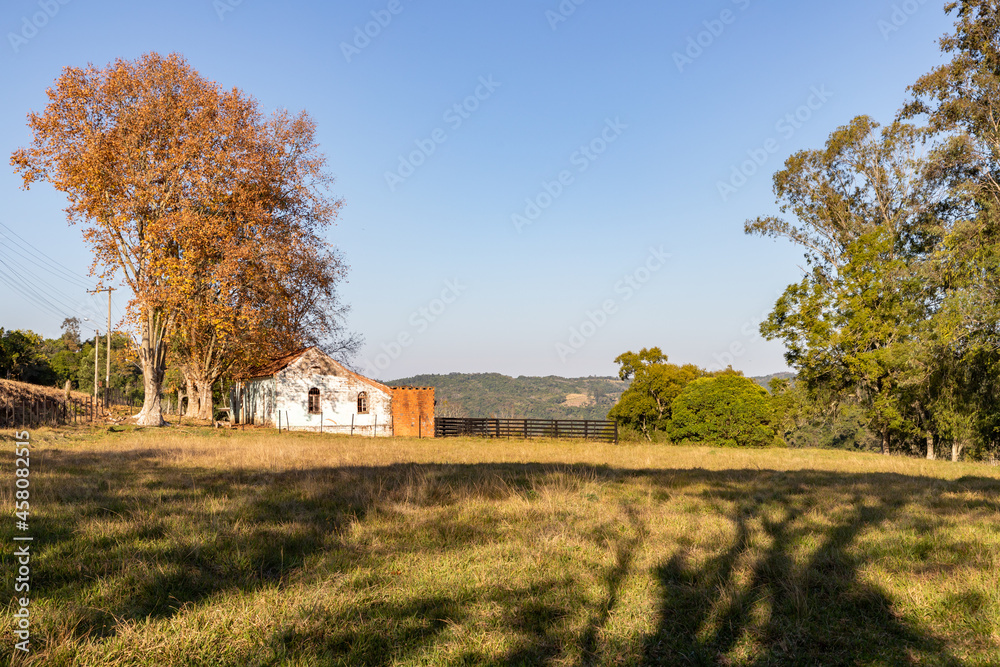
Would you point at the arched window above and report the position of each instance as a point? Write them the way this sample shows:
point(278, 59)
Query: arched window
point(362, 403)
point(314, 401)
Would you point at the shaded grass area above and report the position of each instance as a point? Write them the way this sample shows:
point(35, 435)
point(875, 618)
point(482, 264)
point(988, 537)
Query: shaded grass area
point(207, 547)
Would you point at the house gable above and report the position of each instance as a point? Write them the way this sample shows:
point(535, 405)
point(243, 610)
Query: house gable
point(313, 362)
point(309, 390)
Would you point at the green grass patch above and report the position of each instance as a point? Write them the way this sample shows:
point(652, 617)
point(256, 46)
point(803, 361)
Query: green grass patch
point(207, 547)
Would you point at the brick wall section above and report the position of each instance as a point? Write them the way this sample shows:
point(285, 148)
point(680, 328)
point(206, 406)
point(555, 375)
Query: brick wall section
point(413, 411)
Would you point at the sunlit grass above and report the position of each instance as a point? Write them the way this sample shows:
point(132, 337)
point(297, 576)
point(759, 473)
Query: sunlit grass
point(203, 546)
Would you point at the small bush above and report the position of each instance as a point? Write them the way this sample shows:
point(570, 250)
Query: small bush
point(631, 434)
point(727, 409)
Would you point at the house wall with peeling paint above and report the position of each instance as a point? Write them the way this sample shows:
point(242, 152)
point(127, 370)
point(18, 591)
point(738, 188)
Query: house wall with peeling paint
point(338, 398)
point(287, 393)
point(282, 396)
point(258, 402)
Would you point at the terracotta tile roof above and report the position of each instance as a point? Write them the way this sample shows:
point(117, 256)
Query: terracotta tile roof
point(275, 365)
point(281, 363)
point(370, 381)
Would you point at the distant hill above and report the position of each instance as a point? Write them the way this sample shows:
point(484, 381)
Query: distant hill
point(496, 395)
point(763, 380)
point(523, 397)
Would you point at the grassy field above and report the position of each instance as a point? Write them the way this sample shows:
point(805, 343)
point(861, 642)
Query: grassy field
point(210, 547)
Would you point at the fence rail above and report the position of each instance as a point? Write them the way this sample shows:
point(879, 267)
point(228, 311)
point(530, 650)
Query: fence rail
point(26, 413)
point(35, 411)
point(588, 429)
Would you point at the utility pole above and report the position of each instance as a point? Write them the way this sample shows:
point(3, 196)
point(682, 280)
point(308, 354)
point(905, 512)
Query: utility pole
point(107, 371)
point(97, 350)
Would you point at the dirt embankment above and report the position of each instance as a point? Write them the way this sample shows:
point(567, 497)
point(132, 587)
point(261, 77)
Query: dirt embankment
point(15, 392)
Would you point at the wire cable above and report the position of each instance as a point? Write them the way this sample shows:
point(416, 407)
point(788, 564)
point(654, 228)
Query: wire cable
point(54, 266)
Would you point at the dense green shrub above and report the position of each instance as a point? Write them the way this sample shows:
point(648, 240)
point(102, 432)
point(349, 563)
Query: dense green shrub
point(727, 409)
point(654, 384)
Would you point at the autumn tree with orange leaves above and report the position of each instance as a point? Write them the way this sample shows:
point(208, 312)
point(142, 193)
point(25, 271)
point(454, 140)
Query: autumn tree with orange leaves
point(211, 211)
point(242, 311)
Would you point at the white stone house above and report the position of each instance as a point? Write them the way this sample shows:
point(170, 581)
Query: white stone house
point(307, 390)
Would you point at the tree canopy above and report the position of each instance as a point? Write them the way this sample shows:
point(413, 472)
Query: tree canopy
point(646, 404)
point(897, 311)
point(726, 409)
point(210, 212)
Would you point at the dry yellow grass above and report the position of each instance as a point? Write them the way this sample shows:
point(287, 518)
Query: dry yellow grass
point(201, 546)
point(13, 392)
point(266, 450)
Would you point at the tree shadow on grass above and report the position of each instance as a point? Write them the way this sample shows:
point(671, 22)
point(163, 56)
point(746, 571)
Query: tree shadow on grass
point(175, 537)
point(753, 605)
point(370, 634)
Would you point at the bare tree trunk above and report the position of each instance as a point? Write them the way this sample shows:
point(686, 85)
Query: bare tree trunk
point(193, 406)
point(885, 441)
point(151, 413)
point(152, 359)
point(931, 455)
point(956, 451)
point(206, 409)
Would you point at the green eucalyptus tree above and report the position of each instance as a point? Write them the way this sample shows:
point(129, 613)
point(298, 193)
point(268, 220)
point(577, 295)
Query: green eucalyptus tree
point(864, 211)
point(960, 103)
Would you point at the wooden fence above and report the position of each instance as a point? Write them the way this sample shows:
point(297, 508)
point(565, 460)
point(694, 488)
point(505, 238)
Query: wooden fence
point(45, 411)
point(588, 429)
point(48, 411)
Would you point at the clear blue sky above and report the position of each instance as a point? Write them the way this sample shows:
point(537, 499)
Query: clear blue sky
point(660, 134)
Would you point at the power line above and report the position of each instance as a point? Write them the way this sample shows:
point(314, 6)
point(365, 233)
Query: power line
point(47, 266)
point(17, 265)
point(27, 247)
point(36, 300)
